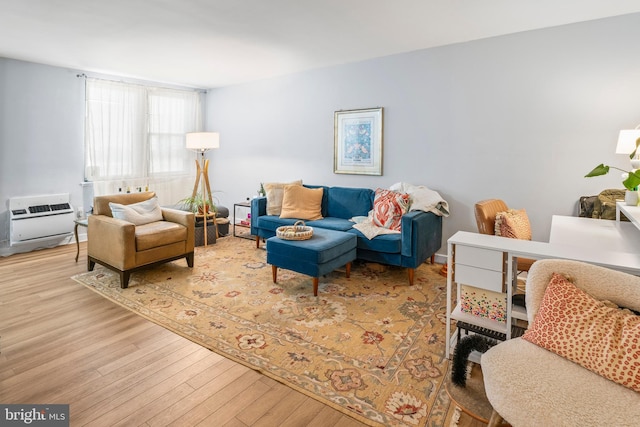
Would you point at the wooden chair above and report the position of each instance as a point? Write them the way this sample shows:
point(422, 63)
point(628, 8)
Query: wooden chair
point(485, 212)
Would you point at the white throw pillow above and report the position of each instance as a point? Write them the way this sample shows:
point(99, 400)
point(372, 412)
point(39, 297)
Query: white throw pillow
point(138, 213)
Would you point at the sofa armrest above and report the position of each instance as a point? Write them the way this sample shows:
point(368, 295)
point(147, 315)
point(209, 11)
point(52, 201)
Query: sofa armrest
point(421, 235)
point(184, 218)
point(258, 208)
point(112, 240)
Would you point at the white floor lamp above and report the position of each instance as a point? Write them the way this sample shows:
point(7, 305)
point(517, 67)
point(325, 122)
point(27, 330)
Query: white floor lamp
point(201, 142)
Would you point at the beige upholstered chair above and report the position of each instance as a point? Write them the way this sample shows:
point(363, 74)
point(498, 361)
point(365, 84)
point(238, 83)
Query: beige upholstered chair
point(485, 212)
point(125, 247)
point(528, 385)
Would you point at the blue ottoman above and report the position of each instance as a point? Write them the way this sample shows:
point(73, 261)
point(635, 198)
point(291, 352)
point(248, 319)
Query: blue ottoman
point(325, 251)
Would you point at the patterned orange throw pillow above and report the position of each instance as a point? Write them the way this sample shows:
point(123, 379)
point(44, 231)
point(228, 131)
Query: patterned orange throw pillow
point(601, 338)
point(388, 208)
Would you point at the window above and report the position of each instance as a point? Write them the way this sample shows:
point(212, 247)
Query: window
point(134, 138)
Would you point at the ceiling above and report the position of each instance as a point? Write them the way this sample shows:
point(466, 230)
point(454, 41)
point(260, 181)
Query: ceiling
point(214, 43)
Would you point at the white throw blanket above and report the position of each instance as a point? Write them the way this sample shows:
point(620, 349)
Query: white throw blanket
point(422, 199)
point(370, 230)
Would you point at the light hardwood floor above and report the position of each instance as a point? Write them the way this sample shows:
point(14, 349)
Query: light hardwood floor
point(62, 343)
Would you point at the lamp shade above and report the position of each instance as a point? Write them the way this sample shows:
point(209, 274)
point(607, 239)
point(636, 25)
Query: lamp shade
point(627, 141)
point(203, 141)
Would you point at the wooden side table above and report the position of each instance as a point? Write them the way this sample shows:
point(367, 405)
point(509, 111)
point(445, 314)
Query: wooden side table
point(209, 216)
point(79, 223)
point(244, 205)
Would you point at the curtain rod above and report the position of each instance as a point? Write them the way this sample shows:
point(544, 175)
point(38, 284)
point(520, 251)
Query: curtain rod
point(148, 84)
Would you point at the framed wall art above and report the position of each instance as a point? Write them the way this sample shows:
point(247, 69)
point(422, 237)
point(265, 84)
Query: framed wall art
point(358, 142)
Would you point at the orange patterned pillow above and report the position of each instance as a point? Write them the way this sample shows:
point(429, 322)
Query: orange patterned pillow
point(388, 208)
point(513, 224)
point(601, 338)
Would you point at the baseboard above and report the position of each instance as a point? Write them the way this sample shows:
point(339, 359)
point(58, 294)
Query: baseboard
point(441, 259)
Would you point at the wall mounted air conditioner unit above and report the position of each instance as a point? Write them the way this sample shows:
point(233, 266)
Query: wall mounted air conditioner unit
point(40, 218)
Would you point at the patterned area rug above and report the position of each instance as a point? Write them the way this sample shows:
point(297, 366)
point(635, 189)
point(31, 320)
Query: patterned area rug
point(371, 346)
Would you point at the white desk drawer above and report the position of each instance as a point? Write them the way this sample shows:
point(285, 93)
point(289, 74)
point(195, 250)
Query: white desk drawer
point(478, 257)
point(479, 277)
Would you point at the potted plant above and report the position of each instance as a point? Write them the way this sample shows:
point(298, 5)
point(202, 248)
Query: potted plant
point(196, 204)
point(631, 180)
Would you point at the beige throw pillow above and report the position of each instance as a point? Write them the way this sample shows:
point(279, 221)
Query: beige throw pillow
point(513, 224)
point(302, 203)
point(275, 193)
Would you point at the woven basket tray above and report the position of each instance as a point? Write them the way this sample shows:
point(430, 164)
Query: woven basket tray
point(297, 231)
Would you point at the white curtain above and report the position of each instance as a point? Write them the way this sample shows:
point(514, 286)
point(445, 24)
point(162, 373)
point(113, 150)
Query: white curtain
point(135, 139)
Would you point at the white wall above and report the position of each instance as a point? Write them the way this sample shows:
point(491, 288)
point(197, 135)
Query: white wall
point(41, 135)
point(520, 117)
point(42, 112)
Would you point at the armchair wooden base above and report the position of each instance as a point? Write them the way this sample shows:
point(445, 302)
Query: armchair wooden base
point(124, 275)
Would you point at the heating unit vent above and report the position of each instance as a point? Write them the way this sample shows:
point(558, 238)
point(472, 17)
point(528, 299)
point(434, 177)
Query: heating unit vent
point(36, 218)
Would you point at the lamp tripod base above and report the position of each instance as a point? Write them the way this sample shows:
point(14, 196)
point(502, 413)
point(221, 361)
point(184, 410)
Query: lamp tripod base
point(203, 170)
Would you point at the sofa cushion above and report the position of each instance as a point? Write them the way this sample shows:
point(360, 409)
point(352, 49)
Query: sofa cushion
point(388, 208)
point(275, 193)
point(513, 224)
point(530, 386)
point(603, 339)
point(332, 223)
point(302, 203)
point(159, 233)
point(343, 202)
point(138, 213)
point(385, 243)
point(272, 222)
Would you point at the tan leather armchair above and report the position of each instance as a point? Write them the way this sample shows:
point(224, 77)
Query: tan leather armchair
point(125, 247)
point(485, 212)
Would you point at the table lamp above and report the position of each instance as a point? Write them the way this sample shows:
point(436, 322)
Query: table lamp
point(627, 144)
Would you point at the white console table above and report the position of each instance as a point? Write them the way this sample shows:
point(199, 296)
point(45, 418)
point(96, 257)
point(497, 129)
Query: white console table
point(611, 244)
point(602, 235)
point(631, 212)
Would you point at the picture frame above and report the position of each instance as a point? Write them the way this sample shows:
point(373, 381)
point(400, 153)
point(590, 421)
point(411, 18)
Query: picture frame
point(358, 141)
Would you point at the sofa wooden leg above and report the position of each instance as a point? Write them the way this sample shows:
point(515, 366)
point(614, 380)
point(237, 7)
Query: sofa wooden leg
point(124, 279)
point(412, 272)
point(315, 286)
point(495, 420)
point(189, 258)
point(257, 242)
point(90, 264)
point(433, 259)
point(274, 273)
point(348, 268)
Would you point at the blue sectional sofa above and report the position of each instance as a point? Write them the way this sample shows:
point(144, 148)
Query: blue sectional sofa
point(419, 239)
